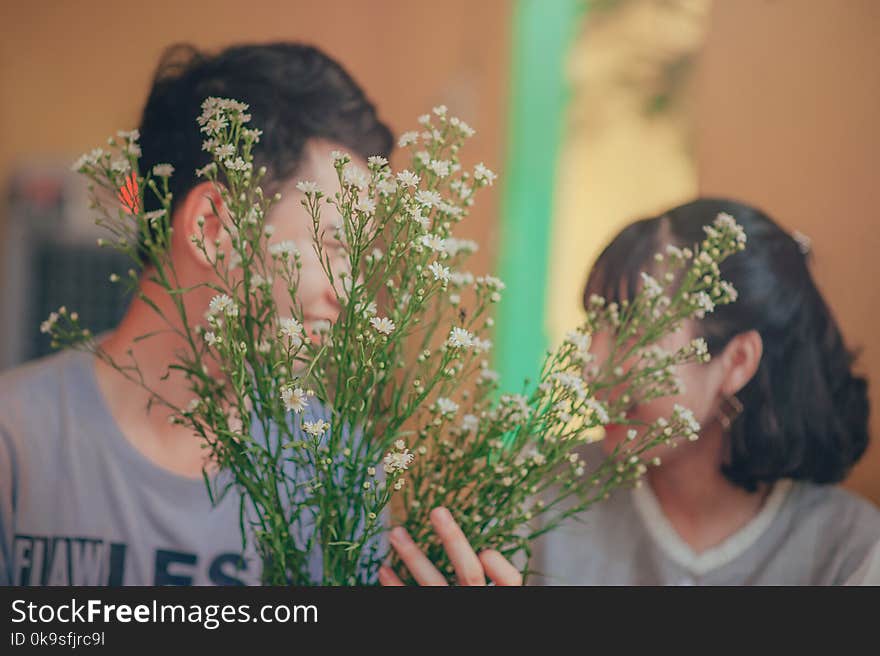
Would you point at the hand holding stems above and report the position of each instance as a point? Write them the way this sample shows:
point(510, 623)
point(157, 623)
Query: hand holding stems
point(470, 568)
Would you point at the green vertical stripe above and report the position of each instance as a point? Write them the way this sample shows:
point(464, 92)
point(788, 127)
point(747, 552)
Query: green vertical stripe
point(542, 35)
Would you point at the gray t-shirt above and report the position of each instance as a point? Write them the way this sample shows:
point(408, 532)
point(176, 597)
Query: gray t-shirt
point(805, 534)
point(80, 505)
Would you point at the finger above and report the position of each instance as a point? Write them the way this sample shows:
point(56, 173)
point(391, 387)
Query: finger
point(468, 569)
point(499, 569)
point(388, 578)
point(416, 562)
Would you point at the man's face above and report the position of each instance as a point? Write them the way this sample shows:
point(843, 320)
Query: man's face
point(291, 221)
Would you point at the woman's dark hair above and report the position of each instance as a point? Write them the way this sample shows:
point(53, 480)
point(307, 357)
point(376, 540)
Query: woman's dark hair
point(295, 93)
point(806, 413)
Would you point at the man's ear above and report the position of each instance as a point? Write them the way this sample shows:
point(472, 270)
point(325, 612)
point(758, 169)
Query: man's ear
point(740, 360)
point(198, 224)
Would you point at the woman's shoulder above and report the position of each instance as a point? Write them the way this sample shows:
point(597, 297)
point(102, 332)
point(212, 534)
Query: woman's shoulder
point(842, 527)
point(838, 507)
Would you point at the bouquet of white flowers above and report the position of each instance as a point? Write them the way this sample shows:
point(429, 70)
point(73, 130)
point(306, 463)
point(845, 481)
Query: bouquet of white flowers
point(396, 395)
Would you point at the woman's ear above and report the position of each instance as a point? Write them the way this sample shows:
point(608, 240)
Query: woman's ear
point(197, 221)
point(740, 360)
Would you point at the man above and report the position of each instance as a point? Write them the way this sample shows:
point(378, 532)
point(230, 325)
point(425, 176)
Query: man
point(95, 490)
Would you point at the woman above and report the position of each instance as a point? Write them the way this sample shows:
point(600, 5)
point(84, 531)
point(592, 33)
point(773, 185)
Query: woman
point(783, 418)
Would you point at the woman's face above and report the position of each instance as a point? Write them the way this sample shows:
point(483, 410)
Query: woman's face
point(700, 383)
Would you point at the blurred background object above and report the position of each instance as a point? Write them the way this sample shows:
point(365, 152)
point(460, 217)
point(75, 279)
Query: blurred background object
point(594, 112)
point(71, 74)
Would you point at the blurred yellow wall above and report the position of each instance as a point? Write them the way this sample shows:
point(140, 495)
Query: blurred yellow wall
point(789, 101)
point(619, 162)
point(72, 73)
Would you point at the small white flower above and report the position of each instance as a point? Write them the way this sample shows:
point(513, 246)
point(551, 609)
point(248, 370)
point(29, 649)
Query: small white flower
point(423, 221)
point(258, 281)
point(397, 461)
point(440, 272)
point(455, 246)
point(214, 125)
point(491, 282)
point(80, 163)
point(292, 329)
point(163, 170)
point(316, 428)
point(651, 286)
point(120, 166)
point(600, 410)
point(225, 151)
point(408, 138)
point(483, 174)
point(465, 129)
point(211, 338)
point(377, 161)
point(252, 134)
point(320, 325)
point(470, 423)
point(580, 340)
point(537, 458)
point(386, 186)
point(434, 242)
point(222, 304)
point(482, 345)
point(489, 376)
point(729, 290)
point(687, 417)
point(206, 170)
point(408, 179)
point(286, 248)
point(355, 176)
point(461, 278)
point(295, 399)
point(446, 406)
point(383, 325)
point(439, 167)
point(429, 198)
point(725, 221)
point(234, 260)
point(154, 216)
point(571, 381)
point(704, 304)
point(674, 252)
point(307, 187)
point(237, 164)
point(48, 324)
point(460, 338)
point(366, 205)
point(440, 110)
